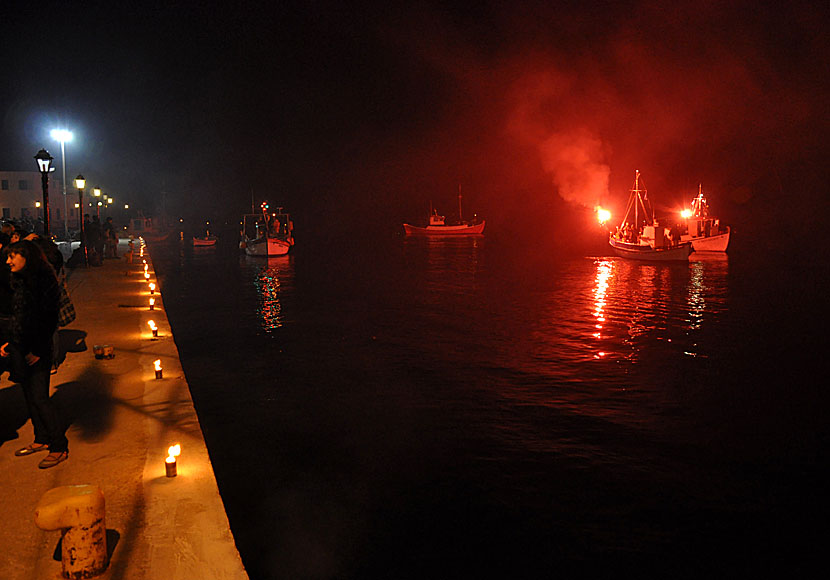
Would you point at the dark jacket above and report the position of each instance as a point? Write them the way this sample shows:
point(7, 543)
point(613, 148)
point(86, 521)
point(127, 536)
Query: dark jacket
point(34, 311)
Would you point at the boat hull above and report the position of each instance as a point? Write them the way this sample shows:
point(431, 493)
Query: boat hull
point(203, 242)
point(631, 251)
point(459, 230)
point(718, 243)
point(273, 247)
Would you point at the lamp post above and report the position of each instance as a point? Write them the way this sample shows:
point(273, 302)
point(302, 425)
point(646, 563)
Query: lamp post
point(63, 136)
point(79, 183)
point(97, 193)
point(44, 164)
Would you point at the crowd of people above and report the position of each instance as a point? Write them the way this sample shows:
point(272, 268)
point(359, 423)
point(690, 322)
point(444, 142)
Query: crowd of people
point(31, 284)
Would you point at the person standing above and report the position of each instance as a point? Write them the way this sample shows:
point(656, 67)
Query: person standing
point(111, 239)
point(33, 324)
point(5, 299)
point(94, 236)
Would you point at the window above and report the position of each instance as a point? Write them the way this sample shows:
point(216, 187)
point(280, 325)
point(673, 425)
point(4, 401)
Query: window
point(7, 213)
point(5, 184)
point(23, 184)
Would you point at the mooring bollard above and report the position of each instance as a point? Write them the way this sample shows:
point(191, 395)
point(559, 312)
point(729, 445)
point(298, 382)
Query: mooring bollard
point(78, 511)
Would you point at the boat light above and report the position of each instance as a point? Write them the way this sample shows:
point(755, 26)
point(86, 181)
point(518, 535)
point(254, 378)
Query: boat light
point(686, 214)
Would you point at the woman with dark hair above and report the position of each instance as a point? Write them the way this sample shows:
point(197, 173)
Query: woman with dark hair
point(34, 321)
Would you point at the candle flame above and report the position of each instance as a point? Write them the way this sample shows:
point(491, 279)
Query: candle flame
point(151, 324)
point(152, 301)
point(174, 450)
point(152, 286)
point(157, 364)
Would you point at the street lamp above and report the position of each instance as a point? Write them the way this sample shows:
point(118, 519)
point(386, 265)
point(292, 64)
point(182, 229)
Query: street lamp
point(79, 183)
point(63, 136)
point(44, 164)
point(97, 193)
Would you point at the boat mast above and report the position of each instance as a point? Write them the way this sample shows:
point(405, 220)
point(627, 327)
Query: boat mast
point(460, 219)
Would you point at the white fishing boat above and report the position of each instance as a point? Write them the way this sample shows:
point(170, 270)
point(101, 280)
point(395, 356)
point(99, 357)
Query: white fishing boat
point(438, 226)
point(705, 233)
point(640, 237)
point(267, 233)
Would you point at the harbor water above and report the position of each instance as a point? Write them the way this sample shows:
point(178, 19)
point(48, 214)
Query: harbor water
point(428, 408)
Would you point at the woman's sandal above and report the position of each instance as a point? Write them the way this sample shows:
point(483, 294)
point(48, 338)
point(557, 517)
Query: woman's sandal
point(53, 459)
point(32, 448)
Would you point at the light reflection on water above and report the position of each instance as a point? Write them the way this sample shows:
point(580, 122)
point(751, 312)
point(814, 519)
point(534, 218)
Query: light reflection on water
point(270, 277)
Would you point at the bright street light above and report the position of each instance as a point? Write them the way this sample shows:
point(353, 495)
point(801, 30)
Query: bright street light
point(63, 136)
point(97, 193)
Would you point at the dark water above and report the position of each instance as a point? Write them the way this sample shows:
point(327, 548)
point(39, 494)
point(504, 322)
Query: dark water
point(461, 409)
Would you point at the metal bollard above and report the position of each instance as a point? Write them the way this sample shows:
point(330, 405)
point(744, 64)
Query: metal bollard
point(78, 511)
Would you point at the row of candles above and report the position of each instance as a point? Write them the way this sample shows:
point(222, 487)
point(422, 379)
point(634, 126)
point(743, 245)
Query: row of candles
point(173, 451)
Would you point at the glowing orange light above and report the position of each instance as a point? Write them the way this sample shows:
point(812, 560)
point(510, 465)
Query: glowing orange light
point(152, 287)
point(170, 463)
point(146, 276)
point(686, 214)
point(603, 215)
point(152, 303)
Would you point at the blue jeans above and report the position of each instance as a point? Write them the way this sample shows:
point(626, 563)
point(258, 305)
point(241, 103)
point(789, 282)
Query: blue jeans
point(45, 419)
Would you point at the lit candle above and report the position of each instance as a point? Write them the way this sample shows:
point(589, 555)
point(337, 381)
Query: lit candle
point(153, 327)
point(152, 303)
point(152, 287)
point(170, 463)
point(146, 276)
point(157, 365)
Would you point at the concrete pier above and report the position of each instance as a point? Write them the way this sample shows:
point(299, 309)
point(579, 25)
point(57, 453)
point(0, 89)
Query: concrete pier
point(123, 419)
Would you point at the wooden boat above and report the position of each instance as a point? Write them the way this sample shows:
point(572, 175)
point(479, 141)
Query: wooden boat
point(640, 237)
point(704, 232)
point(438, 227)
point(267, 233)
point(205, 241)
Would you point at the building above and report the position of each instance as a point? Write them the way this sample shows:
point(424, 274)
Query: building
point(21, 194)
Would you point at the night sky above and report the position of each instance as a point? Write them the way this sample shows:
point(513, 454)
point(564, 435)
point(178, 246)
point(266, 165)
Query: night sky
point(359, 114)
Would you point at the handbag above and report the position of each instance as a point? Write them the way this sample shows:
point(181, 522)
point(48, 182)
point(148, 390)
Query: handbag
point(66, 310)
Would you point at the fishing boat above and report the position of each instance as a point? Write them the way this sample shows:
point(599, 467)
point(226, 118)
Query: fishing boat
point(640, 237)
point(704, 232)
point(267, 233)
point(439, 227)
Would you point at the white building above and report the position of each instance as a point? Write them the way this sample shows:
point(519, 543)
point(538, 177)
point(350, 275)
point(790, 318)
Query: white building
point(21, 194)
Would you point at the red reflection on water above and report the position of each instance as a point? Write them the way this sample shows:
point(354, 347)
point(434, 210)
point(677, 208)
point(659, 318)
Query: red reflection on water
point(605, 270)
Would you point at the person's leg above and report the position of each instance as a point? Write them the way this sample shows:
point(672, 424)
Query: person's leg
point(45, 419)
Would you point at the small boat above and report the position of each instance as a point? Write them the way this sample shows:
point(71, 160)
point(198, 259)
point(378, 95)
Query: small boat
point(204, 241)
point(704, 232)
point(267, 233)
point(640, 237)
point(438, 227)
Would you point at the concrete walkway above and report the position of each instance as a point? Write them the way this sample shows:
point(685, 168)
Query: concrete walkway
point(123, 420)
